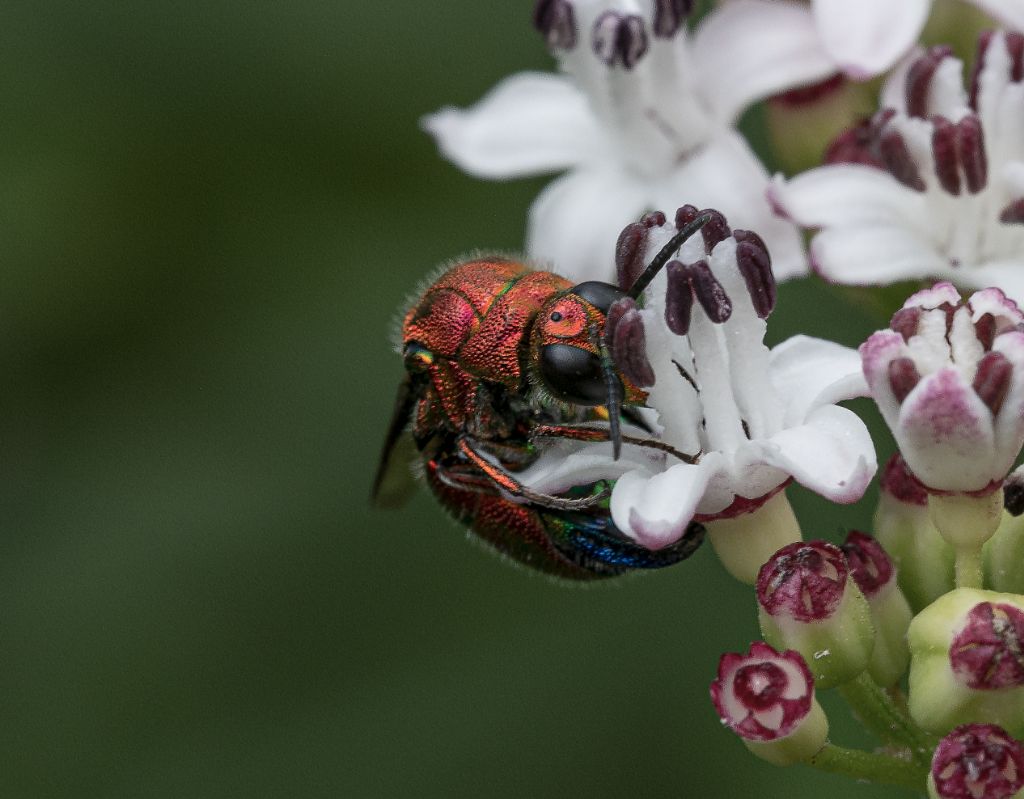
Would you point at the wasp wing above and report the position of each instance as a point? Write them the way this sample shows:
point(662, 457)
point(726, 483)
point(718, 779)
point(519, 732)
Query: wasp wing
point(394, 484)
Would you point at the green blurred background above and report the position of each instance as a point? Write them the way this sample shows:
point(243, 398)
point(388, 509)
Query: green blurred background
point(211, 213)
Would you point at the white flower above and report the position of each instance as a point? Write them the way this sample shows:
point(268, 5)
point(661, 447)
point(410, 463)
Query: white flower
point(755, 419)
point(867, 37)
point(643, 118)
point(948, 378)
point(945, 196)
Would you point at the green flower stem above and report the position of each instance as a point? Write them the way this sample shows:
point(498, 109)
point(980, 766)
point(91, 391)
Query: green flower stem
point(968, 567)
point(880, 714)
point(878, 768)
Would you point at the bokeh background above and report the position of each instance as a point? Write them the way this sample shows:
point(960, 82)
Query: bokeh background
point(210, 214)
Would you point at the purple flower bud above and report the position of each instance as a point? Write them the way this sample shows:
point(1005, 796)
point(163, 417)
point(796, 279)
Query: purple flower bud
point(869, 564)
point(986, 654)
point(763, 695)
point(978, 761)
point(804, 581)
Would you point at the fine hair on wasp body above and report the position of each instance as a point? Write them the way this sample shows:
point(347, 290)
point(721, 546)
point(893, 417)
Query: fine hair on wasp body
point(502, 359)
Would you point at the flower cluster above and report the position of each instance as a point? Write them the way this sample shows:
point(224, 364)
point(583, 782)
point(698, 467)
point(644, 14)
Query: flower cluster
point(640, 406)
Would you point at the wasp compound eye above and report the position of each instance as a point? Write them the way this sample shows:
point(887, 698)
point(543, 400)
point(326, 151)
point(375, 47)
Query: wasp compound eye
point(573, 375)
point(600, 295)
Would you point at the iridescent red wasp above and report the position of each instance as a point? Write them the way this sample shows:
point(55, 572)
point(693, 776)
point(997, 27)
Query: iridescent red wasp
point(499, 357)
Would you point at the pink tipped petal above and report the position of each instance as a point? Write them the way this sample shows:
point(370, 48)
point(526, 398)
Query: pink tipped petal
point(945, 433)
point(848, 194)
point(810, 372)
point(867, 38)
point(880, 350)
point(750, 49)
point(874, 255)
point(655, 510)
point(832, 454)
point(528, 124)
point(575, 222)
point(941, 293)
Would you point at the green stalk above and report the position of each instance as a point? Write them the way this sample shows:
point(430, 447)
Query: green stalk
point(880, 714)
point(877, 768)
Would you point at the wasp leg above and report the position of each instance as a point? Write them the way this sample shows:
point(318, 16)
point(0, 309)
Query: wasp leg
point(596, 434)
point(510, 485)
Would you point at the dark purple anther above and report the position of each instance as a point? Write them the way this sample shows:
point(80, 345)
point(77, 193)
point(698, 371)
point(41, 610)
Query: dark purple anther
point(804, 581)
point(855, 145)
point(1013, 214)
point(756, 267)
point(903, 376)
point(709, 292)
point(629, 254)
point(653, 219)
point(678, 298)
point(978, 761)
point(944, 135)
point(985, 330)
point(629, 345)
point(894, 154)
point(619, 39)
point(669, 16)
point(685, 215)
point(1015, 46)
point(970, 147)
point(986, 654)
point(556, 20)
point(984, 41)
point(919, 80)
point(715, 231)
point(870, 565)
point(905, 321)
point(992, 380)
point(1013, 493)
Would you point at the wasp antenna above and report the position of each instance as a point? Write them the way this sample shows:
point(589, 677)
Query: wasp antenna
point(614, 393)
point(662, 258)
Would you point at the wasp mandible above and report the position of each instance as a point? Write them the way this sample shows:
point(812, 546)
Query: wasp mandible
point(498, 357)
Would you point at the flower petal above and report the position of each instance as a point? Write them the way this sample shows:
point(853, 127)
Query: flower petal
point(655, 510)
point(748, 50)
point(575, 222)
point(727, 176)
point(832, 454)
point(874, 254)
point(1009, 13)
point(847, 194)
point(810, 372)
point(528, 124)
point(867, 37)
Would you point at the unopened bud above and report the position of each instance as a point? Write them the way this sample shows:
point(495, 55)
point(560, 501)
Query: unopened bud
point(809, 603)
point(767, 698)
point(977, 761)
point(875, 575)
point(966, 661)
